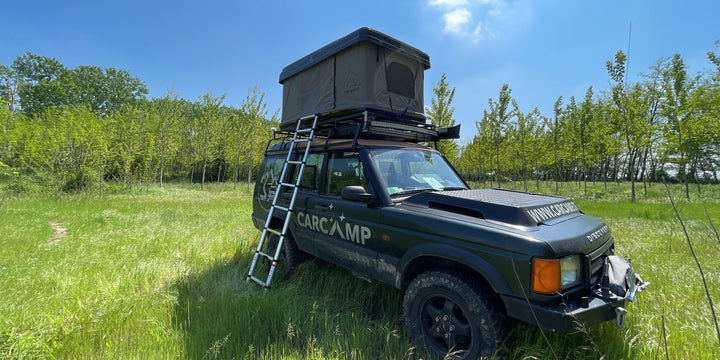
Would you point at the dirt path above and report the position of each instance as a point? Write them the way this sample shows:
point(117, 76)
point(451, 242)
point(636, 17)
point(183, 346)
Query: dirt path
point(60, 233)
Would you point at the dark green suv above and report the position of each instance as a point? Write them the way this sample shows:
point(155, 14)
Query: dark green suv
point(398, 213)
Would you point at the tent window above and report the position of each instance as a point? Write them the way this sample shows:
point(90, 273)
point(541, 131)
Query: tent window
point(400, 80)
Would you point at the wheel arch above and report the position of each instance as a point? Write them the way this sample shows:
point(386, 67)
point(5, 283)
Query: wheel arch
point(439, 256)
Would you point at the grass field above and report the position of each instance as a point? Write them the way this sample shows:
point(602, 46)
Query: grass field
point(160, 273)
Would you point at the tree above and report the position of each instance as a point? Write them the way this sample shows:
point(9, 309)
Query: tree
point(571, 143)
point(554, 137)
point(631, 114)
point(495, 124)
point(252, 115)
point(39, 85)
point(102, 90)
point(6, 142)
point(440, 114)
point(523, 136)
point(166, 128)
point(44, 82)
point(678, 109)
point(9, 87)
point(131, 148)
point(208, 122)
point(584, 128)
point(70, 143)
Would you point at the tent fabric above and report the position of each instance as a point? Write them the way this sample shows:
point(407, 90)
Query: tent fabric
point(364, 70)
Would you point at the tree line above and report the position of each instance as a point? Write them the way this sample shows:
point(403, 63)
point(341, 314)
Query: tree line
point(665, 127)
point(85, 127)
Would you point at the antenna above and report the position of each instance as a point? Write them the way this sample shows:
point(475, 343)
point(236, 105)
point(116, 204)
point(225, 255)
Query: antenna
point(627, 64)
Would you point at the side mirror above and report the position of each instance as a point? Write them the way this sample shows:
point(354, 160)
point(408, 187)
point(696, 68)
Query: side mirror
point(355, 193)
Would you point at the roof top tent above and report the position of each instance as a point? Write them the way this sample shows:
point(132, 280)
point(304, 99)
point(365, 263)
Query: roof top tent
point(364, 75)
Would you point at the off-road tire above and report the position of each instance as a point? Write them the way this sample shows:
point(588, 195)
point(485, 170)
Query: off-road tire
point(290, 255)
point(448, 314)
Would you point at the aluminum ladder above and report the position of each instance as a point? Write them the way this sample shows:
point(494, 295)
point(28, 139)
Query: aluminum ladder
point(304, 133)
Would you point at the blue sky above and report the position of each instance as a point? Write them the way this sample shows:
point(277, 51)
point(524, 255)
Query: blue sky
point(541, 48)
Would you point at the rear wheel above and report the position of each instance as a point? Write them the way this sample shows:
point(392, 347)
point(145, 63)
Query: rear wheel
point(448, 314)
point(290, 255)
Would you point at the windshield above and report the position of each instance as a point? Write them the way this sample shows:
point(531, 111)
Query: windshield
point(413, 170)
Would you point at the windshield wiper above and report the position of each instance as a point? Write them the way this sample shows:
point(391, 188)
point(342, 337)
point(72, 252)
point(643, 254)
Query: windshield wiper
point(412, 191)
point(451, 188)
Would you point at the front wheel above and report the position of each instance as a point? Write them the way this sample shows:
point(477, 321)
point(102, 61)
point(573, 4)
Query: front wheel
point(447, 314)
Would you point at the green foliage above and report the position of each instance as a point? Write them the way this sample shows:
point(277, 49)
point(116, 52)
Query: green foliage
point(525, 141)
point(686, 139)
point(493, 132)
point(87, 126)
point(42, 83)
point(103, 90)
point(253, 127)
point(167, 127)
point(208, 124)
point(665, 128)
point(440, 114)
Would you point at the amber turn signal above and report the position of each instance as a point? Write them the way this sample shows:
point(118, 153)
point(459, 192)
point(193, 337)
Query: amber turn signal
point(546, 276)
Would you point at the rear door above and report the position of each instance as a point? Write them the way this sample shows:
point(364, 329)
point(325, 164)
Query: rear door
point(345, 230)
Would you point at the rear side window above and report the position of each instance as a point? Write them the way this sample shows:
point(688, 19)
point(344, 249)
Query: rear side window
point(310, 181)
point(269, 174)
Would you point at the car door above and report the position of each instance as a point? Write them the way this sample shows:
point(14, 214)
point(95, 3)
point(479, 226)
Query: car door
point(346, 232)
point(310, 185)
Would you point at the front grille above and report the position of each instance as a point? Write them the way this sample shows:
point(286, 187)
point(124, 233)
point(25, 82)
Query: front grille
point(595, 261)
point(596, 266)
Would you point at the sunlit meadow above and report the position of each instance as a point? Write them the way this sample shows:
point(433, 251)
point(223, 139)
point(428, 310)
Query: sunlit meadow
point(160, 273)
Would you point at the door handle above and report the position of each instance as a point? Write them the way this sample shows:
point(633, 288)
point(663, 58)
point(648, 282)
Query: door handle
point(322, 207)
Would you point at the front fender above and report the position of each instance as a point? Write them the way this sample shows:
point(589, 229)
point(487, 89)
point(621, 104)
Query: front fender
point(449, 253)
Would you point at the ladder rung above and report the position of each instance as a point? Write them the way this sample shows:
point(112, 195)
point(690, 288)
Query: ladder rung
point(281, 208)
point(273, 231)
point(267, 256)
point(294, 162)
point(288, 185)
point(257, 280)
point(307, 130)
point(301, 140)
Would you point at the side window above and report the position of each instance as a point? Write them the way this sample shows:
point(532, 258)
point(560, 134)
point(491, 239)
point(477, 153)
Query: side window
point(269, 174)
point(311, 176)
point(344, 169)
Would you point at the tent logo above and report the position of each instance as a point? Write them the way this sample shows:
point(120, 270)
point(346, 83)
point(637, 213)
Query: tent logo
point(352, 85)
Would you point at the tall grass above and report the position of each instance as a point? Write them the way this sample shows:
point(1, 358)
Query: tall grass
point(160, 273)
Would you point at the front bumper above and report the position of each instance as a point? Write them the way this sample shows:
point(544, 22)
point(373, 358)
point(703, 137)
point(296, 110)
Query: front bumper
point(576, 314)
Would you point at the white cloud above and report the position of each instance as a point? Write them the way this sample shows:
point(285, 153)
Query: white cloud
point(456, 20)
point(459, 16)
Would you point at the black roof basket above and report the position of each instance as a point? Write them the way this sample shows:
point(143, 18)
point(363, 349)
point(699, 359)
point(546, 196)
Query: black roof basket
point(370, 124)
point(382, 125)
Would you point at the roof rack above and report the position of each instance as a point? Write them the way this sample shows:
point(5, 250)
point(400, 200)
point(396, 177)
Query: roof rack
point(378, 124)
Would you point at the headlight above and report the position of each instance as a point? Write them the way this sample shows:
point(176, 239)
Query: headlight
point(549, 276)
point(569, 271)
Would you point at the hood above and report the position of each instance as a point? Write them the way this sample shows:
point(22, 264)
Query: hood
point(510, 207)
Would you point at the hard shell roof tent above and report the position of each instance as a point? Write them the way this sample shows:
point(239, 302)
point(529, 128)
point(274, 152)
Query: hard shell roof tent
point(365, 72)
point(365, 69)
